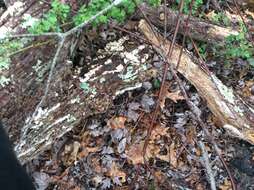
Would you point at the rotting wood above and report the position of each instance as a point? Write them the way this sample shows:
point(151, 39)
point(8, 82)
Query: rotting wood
point(199, 29)
point(232, 112)
point(67, 105)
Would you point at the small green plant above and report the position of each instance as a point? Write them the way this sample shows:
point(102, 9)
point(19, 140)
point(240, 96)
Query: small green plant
point(236, 46)
point(154, 3)
point(52, 21)
point(220, 18)
point(203, 50)
point(118, 13)
point(156, 83)
point(196, 5)
point(60, 14)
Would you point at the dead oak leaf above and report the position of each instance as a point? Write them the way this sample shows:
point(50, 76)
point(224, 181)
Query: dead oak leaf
point(174, 96)
point(117, 122)
point(135, 153)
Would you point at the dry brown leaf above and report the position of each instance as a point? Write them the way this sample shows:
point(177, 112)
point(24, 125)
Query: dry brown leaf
point(158, 132)
point(174, 96)
point(159, 177)
point(115, 172)
point(226, 185)
point(135, 153)
point(117, 122)
point(246, 91)
point(74, 153)
point(86, 151)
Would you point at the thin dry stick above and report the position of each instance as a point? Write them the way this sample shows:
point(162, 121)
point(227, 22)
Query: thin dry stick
point(207, 165)
point(30, 47)
point(165, 19)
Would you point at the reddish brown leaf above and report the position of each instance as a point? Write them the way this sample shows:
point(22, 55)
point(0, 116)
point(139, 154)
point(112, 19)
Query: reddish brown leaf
point(117, 122)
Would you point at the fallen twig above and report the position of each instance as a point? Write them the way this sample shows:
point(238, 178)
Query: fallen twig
point(207, 165)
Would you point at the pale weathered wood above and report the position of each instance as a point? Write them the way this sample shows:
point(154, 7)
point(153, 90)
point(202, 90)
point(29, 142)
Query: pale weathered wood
point(235, 116)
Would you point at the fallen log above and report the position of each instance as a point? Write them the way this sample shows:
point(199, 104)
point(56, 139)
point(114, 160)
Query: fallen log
point(199, 28)
point(71, 99)
point(249, 4)
point(232, 112)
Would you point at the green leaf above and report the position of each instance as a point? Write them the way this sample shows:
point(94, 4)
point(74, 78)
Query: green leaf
point(156, 83)
point(251, 61)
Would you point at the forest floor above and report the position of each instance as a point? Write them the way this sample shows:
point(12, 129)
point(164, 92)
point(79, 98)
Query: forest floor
point(106, 149)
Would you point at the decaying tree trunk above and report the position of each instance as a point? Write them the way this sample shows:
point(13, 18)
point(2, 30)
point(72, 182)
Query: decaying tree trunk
point(199, 29)
point(113, 71)
point(235, 116)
